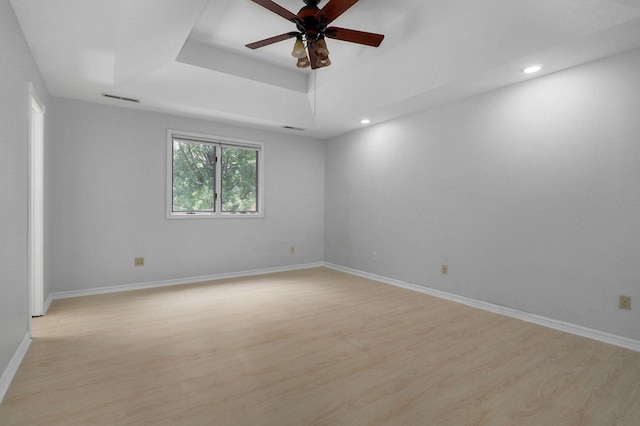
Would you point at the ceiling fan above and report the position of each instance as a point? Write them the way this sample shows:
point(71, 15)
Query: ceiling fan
point(312, 24)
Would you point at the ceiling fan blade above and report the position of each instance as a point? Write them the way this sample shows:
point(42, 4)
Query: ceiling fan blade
point(353, 36)
point(332, 10)
point(271, 40)
point(276, 8)
point(313, 59)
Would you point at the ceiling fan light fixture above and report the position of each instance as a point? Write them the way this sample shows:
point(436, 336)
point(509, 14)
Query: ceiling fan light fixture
point(323, 62)
point(321, 50)
point(298, 49)
point(303, 62)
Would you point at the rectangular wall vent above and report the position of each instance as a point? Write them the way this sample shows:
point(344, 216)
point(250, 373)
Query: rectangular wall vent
point(120, 98)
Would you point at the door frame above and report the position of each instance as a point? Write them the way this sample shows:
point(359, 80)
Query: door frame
point(36, 204)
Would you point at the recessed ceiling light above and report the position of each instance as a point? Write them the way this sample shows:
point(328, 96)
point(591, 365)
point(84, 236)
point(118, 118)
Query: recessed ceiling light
point(365, 121)
point(532, 69)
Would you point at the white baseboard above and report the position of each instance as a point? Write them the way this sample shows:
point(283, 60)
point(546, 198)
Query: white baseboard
point(181, 281)
point(513, 313)
point(11, 370)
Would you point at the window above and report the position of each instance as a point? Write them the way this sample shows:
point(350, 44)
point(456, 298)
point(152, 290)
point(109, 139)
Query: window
point(213, 177)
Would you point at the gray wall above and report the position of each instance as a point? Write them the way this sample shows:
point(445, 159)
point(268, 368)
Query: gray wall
point(17, 67)
point(531, 195)
point(108, 202)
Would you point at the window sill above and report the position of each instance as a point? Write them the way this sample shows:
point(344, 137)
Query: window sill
point(215, 215)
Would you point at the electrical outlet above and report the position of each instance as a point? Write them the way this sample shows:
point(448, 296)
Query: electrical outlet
point(138, 261)
point(445, 269)
point(292, 249)
point(625, 302)
point(374, 256)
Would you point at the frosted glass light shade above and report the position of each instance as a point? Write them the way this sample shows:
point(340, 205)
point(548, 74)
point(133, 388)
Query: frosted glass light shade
point(321, 50)
point(323, 62)
point(303, 62)
point(299, 50)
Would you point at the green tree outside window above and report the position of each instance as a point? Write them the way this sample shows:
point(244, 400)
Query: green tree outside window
point(196, 164)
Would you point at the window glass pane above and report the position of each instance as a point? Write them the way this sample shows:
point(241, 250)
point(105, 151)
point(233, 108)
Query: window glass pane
point(239, 179)
point(193, 177)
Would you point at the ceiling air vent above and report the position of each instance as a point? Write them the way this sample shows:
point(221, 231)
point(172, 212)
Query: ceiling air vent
point(293, 128)
point(121, 98)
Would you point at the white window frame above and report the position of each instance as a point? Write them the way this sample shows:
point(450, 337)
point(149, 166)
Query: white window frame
point(220, 141)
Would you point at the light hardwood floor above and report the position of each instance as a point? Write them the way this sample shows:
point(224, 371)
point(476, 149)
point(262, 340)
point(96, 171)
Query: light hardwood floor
point(311, 347)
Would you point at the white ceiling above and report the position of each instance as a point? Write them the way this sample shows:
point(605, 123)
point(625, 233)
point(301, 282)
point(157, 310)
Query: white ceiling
point(187, 57)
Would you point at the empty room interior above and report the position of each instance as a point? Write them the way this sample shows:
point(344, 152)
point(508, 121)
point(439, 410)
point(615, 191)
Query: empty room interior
point(339, 212)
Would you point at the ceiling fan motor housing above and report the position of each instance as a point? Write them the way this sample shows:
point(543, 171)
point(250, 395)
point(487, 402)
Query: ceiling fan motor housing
point(309, 25)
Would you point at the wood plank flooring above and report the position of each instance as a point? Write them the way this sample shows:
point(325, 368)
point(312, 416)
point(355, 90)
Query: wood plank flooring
point(311, 347)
